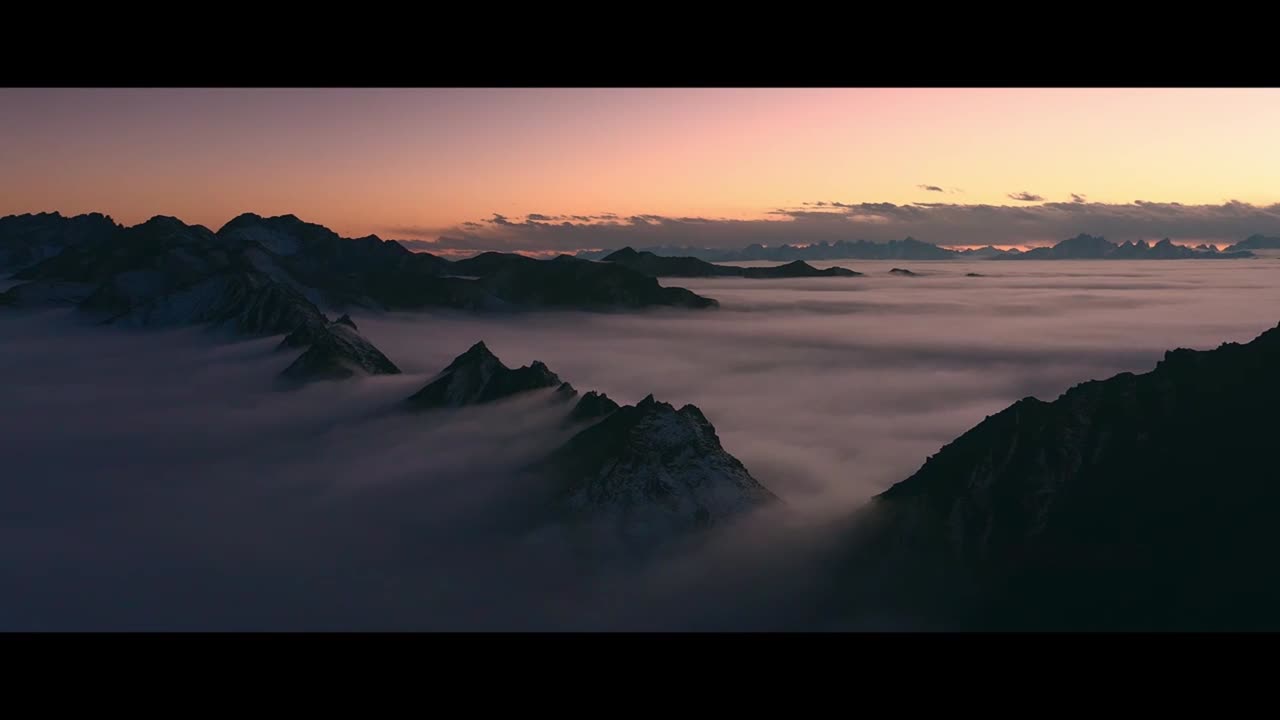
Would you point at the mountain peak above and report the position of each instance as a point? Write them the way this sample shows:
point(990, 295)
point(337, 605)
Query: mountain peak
point(626, 253)
point(592, 405)
point(651, 471)
point(477, 376)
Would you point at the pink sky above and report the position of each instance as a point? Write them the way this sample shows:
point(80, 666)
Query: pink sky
point(366, 160)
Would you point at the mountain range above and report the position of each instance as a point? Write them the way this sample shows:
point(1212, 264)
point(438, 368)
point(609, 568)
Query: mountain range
point(1143, 501)
point(271, 276)
point(1081, 247)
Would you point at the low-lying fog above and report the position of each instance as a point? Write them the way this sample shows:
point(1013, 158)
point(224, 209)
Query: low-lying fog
point(834, 388)
point(155, 480)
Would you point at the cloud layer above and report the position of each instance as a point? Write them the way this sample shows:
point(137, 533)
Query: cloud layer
point(165, 485)
point(1038, 223)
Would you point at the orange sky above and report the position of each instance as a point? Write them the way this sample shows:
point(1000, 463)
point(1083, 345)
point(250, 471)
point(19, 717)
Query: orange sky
point(363, 161)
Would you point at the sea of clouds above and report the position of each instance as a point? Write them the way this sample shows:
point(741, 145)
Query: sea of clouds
point(157, 480)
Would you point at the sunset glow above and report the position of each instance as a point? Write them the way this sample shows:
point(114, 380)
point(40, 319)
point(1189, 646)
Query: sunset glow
point(417, 162)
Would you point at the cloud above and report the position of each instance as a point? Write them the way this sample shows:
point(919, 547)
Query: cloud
point(197, 498)
point(1077, 198)
point(829, 221)
point(1025, 196)
point(931, 188)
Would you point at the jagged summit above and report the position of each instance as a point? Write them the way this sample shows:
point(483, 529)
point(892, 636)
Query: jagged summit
point(592, 406)
point(337, 352)
point(649, 469)
point(477, 376)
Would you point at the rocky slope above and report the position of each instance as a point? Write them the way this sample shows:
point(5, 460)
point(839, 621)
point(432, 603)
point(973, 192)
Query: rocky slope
point(1137, 502)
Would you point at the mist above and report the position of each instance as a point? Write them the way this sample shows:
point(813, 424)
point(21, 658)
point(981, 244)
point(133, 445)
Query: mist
point(157, 480)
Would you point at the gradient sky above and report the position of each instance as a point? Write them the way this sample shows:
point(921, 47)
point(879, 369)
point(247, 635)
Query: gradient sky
point(389, 161)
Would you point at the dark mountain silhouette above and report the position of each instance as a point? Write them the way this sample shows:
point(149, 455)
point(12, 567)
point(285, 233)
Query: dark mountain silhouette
point(985, 253)
point(28, 239)
point(334, 352)
point(478, 376)
point(906, 249)
point(1081, 247)
point(1137, 502)
point(270, 276)
point(903, 272)
point(1090, 247)
point(659, 266)
point(592, 406)
point(1255, 242)
point(89, 259)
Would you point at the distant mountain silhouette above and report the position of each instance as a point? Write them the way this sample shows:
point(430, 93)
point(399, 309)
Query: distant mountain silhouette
point(1255, 242)
point(1137, 502)
point(659, 266)
point(1089, 247)
point(906, 249)
point(1081, 247)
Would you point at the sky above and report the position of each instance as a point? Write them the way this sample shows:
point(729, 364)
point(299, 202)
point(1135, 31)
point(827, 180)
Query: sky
point(531, 168)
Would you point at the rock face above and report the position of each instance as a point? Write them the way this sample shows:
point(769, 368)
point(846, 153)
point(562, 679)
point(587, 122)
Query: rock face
point(903, 272)
point(1137, 502)
point(650, 470)
point(478, 376)
point(660, 266)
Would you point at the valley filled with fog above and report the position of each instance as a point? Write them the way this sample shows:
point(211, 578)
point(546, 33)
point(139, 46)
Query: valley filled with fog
point(831, 389)
point(158, 479)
